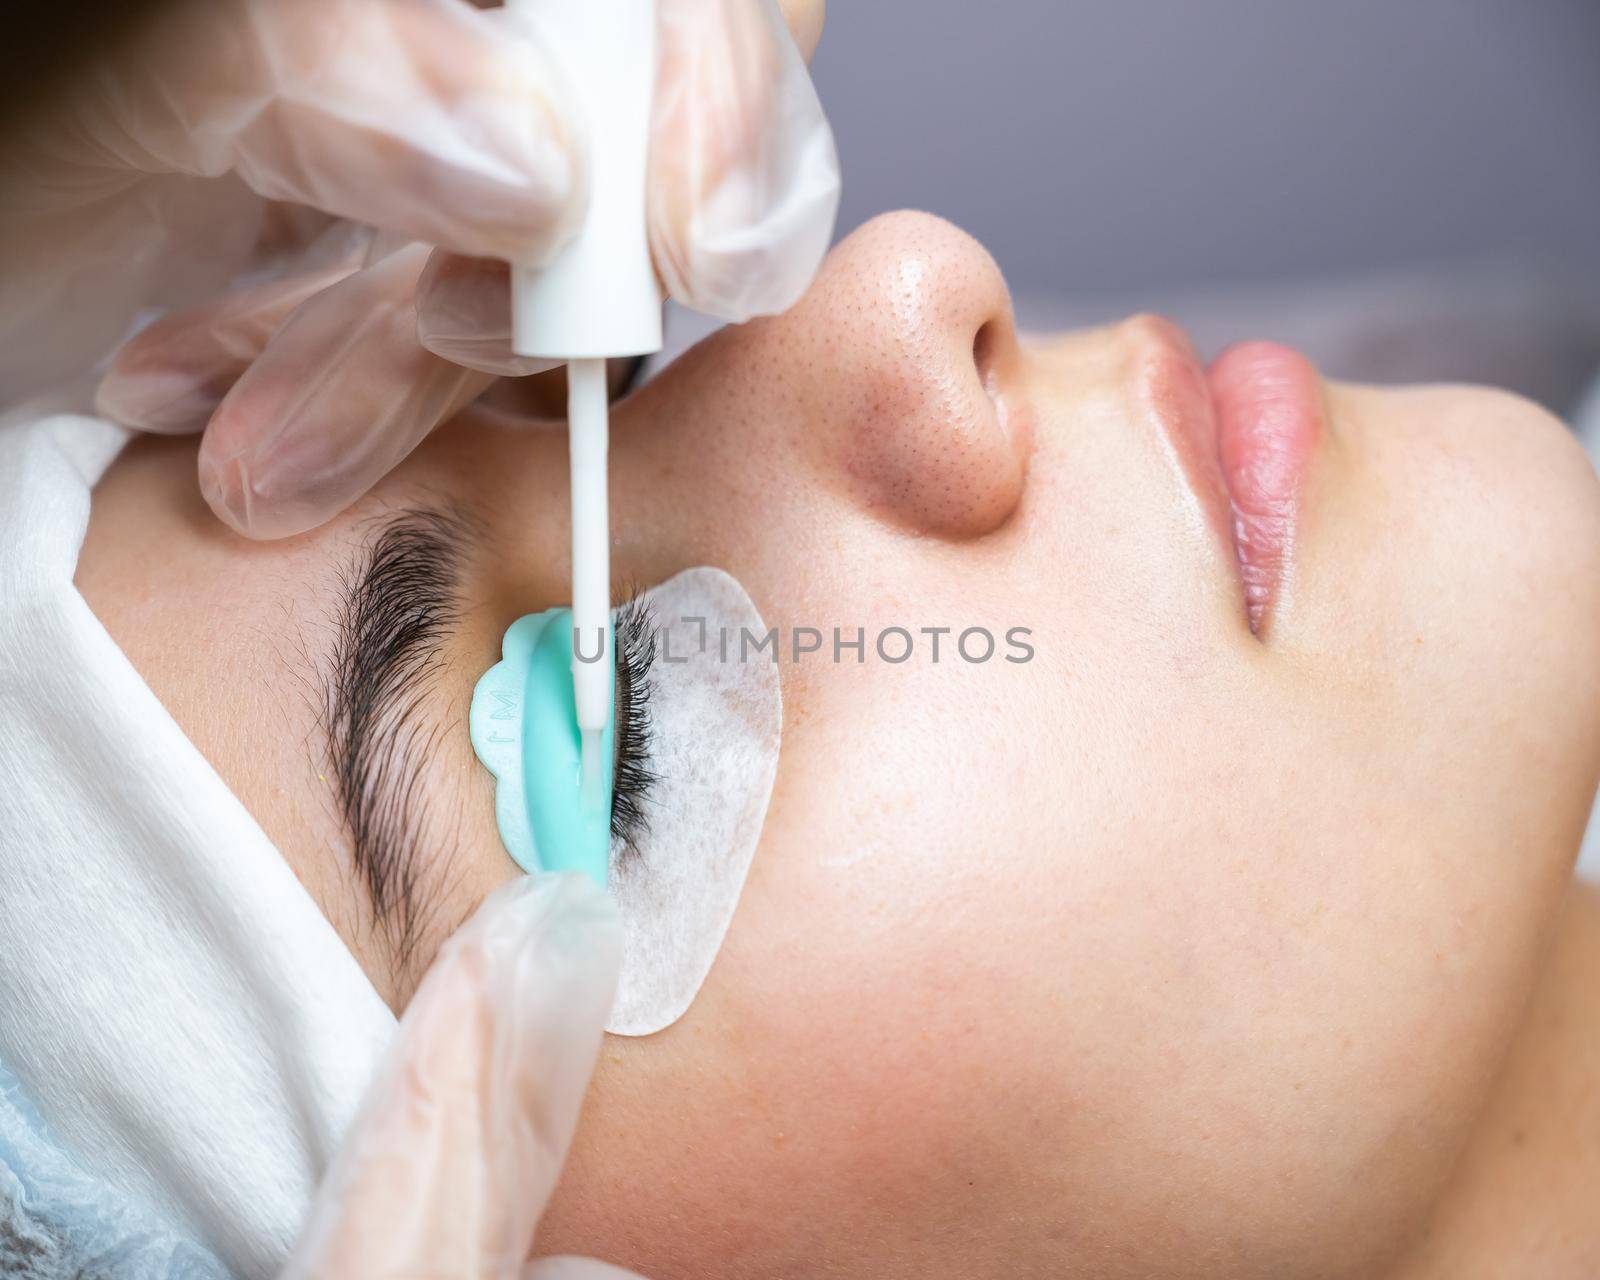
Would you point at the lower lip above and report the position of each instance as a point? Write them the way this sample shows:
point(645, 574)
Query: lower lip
point(1244, 430)
point(1269, 416)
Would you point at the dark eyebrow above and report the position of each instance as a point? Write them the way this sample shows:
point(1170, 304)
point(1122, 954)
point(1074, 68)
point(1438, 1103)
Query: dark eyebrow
point(397, 607)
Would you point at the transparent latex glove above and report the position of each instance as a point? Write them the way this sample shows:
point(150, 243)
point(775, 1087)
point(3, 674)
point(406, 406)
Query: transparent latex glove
point(154, 179)
point(461, 1138)
point(313, 384)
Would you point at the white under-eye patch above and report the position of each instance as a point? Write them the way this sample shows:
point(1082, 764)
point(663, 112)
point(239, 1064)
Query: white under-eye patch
point(716, 717)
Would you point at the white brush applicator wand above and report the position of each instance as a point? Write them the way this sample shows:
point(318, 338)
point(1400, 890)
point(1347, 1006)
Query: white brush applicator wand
point(597, 298)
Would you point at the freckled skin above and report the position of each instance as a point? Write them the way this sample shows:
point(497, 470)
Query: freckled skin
point(899, 411)
point(1173, 952)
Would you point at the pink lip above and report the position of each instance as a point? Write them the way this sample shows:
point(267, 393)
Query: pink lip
point(1245, 431)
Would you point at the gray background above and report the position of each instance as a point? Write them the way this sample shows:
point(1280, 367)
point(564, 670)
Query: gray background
point(1112, 146)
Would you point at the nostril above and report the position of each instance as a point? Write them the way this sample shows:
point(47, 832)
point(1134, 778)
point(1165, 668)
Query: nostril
point(983, 356)
point(994, 349)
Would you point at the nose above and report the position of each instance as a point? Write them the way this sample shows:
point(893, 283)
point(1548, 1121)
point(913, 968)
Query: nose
point(905, 355)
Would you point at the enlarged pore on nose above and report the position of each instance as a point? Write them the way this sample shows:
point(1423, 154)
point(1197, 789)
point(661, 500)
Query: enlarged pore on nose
point(931, 431)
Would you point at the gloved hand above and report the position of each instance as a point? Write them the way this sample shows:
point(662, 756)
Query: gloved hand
point(461, 1138)
point(194, 175)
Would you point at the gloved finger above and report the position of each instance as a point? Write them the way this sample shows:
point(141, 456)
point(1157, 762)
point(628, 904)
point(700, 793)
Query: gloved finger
point(339, 397)
point(431, 117)
point(744, 177)
point(464, 315)
point(462, 1136)
point(171, 377)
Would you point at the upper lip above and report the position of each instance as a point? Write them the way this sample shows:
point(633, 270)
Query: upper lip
point(1244, 433)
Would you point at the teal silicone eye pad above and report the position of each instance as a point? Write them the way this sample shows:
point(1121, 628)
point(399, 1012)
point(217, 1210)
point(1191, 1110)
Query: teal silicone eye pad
point(715, 717)
point(525, 731)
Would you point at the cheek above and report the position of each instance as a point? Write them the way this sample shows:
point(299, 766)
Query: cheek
point(840, 1064)
point(845, 1064)
point(866, 1016)
point(1019, 939)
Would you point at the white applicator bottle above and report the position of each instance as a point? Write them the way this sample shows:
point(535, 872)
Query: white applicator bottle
point(597, 298)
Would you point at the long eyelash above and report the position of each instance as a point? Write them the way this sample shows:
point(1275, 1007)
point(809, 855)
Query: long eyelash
point(634, 780)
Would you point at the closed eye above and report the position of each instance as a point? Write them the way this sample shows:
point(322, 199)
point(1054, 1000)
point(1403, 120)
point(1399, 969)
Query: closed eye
point(398, 609)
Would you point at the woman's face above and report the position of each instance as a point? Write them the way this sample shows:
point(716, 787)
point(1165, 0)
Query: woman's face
point(1188, 946)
